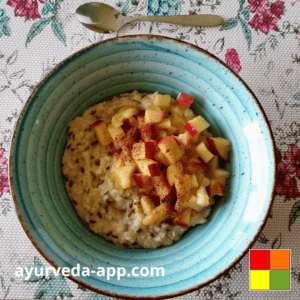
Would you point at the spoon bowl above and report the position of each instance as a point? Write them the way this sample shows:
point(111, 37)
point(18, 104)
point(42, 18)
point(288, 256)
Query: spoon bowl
point(100, 17)
point(103, 18)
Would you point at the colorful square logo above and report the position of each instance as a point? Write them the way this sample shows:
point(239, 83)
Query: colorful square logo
point(270, 270)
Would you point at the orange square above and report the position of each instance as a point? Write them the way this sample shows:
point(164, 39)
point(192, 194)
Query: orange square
point(280, 259)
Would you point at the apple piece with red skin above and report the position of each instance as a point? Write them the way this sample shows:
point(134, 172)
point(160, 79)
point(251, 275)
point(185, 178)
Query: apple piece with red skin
point(184, 100)
point(196, 126)
point(220, 147)
point(102, 133)
point(215, 188)
point(162, 187)
point(148, 167)
point(170, 148)
point(143, 150)
point(183, 218)
point(146, 132)
point(133, 122)
point(126, 125)
point(154, 116)
point(154, 197)
point(143, 181)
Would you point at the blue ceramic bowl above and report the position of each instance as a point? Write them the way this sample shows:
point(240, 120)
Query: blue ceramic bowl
point(148, 64)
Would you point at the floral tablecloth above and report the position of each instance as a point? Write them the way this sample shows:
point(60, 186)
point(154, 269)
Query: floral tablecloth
point(260, 41)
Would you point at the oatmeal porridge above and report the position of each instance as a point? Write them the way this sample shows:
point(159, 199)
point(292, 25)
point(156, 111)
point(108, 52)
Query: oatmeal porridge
point(142, 168)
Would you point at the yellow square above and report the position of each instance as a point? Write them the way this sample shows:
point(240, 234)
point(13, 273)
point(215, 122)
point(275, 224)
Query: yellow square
point(259, 280)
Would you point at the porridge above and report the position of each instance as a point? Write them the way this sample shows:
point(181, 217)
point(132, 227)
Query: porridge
point(142, 168)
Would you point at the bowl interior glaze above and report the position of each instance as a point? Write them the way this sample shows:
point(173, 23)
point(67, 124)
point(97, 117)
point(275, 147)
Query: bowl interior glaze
point(148, 64)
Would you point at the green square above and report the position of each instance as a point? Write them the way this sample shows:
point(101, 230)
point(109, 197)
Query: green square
point(280, 280)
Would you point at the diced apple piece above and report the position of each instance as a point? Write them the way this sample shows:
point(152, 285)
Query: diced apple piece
point(129, 138)
point(222, 181)
point(196, 125)
point(154, 116)
point(204, 153)
point(148, 167)
point(147, 133)
point(172, 130)
point(198, 218)
point(185, 139)
point(164, 124)
point(213, 164)
point(123, 174)
point(184, 159)
point(123, 114)
point(220, 147)
point(159, 214)
point(126, 156)
point(200, 201)
point(178, 122)
point(184, 100)
point(173, 171)
point(183, 218)
point(162, 187)
point(183, 188)
point(162, 101)
point(161, 158)
point(215, 188)
point(143, 150)
point(194, 165)
point(141, 121)
point(194, 181)
point(160, 134)
point(102, 133)
point(147, 204)
point(154, 197)
point(116, 134)
point(118, 162)
point(133, 122)
point(143, 181)
point(221, 173)
point(171, 149)
point(202, 179)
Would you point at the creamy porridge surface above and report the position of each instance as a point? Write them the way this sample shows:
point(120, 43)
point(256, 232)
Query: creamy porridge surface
point(106, 208)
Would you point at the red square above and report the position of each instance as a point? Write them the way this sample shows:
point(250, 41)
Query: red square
point(259, 259)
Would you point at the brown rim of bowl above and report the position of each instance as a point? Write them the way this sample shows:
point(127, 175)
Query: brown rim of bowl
point(124, 39)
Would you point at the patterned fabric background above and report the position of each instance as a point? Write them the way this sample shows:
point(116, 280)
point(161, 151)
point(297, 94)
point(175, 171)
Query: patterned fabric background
point(260, 41)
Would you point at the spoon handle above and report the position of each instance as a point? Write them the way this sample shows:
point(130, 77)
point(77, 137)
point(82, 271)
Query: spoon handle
point(189, 20)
